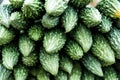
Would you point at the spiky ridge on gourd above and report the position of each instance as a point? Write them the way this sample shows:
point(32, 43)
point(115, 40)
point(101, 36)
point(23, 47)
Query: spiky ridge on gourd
point(61, 76)
point(110, 73)
point(26, 45)
point(6, 35)
point(50, 62)
point(17, 20)
point(83, 36)
point(35, 32)
point(69, 19)
point(30, 60)
point(55, 7)
point(110, 8)
point(113, 37)
point(10, 55)
point(20, 72)
point(92, 64)
point(5, 11)
point(105, 25)
point(4, 73)
point(42, 74)
point(90, 16)
point(49, 21)
point(76, 72)
point(32, 8)
point(87, 75)
point(66, 63)
point(73, 49)
point(102, 49)
point(79, 3)
point(54, 40)
point(16, 3)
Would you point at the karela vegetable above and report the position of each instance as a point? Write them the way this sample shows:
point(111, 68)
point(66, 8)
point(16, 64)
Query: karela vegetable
point(49, 21)
point(4, 73)
point(20, 72)
point(32, 8)
point(16, 3)
point(42, 74)
point(90, 16)
point(92, 64)
point(10, 56)
point(26, 45)
point(110, 74)
point(83, 36)
point(17, 20)
point(35, 32)
point(105, 25)
point(30, 60)
point(73, 49)
point(69, 19)
point(79, 3)
point(61, 76)
point(50, 62)
point(87, 75)
point(110, 8)
point(113, 37)
point(54, 40)
point(102, 49)
point(55, 7)
point(76, 72)
point(66, 63)
point(6, 35)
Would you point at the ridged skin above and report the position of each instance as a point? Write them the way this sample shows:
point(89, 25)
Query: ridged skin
point(110, 74)
point(69, 19)
point(54, 40)
point(90, 16)
point(66, 64)
point(16, 3)
point(26, 45)
point(55, 7)
point(113, 37)
point(6, 35)
point(110, 8)
point(73, 50)
point(42, 74)
point(102, 49)
point(10, 56)
point(105, 25)
point(83, 36)
point(92, 64)
point(4, 73)
point(76, 72)
point(20, 72)
point(49, 21)
point(35, 32)
point(61, 76)
point(50, 62)
point(17, 20)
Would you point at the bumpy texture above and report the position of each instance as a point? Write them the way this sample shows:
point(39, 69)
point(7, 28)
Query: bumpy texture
point(26, 45)
point(102, 49)
point(92, 64)
point(73, 49)
point(55, 7)
point(90, 16)
point(49, 21)
point(61, 76)
point(50, 62)
point(69, 19)
point(54, 40)
point(110, 8)
point(83, 36)
point(10, 55)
